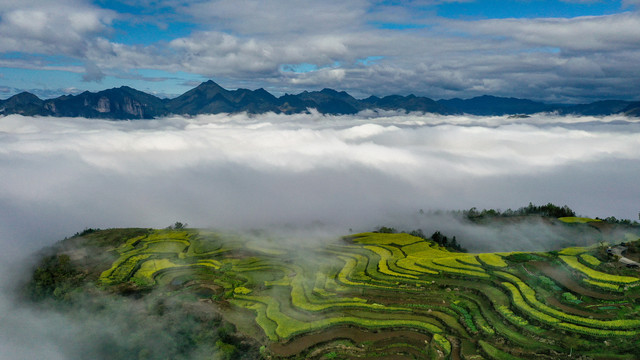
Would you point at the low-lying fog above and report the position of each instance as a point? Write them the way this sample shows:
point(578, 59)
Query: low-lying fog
point(329, 174)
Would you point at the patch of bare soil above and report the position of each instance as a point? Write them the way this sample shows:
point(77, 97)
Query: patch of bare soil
point(356, 335)
point(571, 310)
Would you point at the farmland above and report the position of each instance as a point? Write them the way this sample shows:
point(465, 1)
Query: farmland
point(380, 295)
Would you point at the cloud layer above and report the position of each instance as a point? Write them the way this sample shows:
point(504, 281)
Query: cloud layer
point(61, 175)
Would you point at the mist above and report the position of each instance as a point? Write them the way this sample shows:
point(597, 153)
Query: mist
point(324, 176)
point(62, 175)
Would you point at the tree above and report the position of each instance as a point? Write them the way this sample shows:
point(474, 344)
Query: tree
point(177, 226)
point(386, 230)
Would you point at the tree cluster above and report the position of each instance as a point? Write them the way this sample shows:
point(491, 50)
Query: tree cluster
point(437, 237)
point(549, 210)
point(54, 277)
point(614, 220)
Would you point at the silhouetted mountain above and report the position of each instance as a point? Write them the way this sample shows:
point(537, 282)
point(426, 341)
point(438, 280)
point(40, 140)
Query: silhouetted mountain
point(292, 104)
point(329, 101)
point(117, 103)
point(597, 108)
point(255, 102)
point(492, 105)
point(407, 103)
point(204, 98)
point(24, 104)
point(633, 109)
point(210, 98)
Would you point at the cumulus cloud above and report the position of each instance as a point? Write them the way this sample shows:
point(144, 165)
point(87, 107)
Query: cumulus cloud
point(253, 17)
point(43, 27)
point(92, 73)
point(591, 33)
point(252, 44)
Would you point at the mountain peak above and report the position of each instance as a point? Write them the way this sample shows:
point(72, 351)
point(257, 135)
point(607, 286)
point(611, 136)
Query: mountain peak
point(328, 91)
point(209, 83)
point(24, 97)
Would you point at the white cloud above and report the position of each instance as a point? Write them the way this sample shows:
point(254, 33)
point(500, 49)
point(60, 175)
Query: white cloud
point(590, 33)
point(53, 28)
point(290, 17)
point(246, 44)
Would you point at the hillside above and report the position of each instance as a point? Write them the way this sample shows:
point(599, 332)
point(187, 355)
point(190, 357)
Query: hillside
point(365, 296)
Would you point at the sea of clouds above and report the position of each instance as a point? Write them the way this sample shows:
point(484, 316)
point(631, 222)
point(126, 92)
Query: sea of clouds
point(307, 174)
point(61, 175)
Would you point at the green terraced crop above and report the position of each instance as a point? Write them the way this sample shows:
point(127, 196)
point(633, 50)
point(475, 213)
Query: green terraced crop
point(478, 319)
point(581, 220)
point(495, 353)
point(350, 270)
point(268, 326)
point(430, 264)
point(383, 264)
point(151, 267)
point(288, 326)
point(590, 260)
point(550, 315)
point(573, 262)
point(573, 251)
point(598, 332)
point(409, 264)
point(443, 343)
point(122, 269)
point(453, 262)
point(603, 285)
point(470, 260)
point(492, 260)
point(524, 307)
point(468, 319)
point(241, 290)
point(385, 239)
point(384, 282)
point(300, 298)
point(165, 246)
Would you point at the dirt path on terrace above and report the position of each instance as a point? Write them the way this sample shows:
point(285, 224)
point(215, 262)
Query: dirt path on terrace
point(564, 278)
point(455, 349)
point(356, 335)
point(568, 309)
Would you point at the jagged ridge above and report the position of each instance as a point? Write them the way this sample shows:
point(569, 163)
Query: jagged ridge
point(210, 98)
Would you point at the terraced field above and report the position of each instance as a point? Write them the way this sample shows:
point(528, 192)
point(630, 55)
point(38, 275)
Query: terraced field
point(395, 296)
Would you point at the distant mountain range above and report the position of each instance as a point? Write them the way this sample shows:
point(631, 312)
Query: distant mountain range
point(210, 98)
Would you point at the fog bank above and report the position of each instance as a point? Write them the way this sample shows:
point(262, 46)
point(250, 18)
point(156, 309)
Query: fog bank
point(62, 175)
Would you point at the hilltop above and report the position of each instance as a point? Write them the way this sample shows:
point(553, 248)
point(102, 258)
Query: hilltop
point(370, 295)
point(210, 98)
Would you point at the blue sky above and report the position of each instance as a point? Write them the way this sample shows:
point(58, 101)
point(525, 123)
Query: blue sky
point(547, 50)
